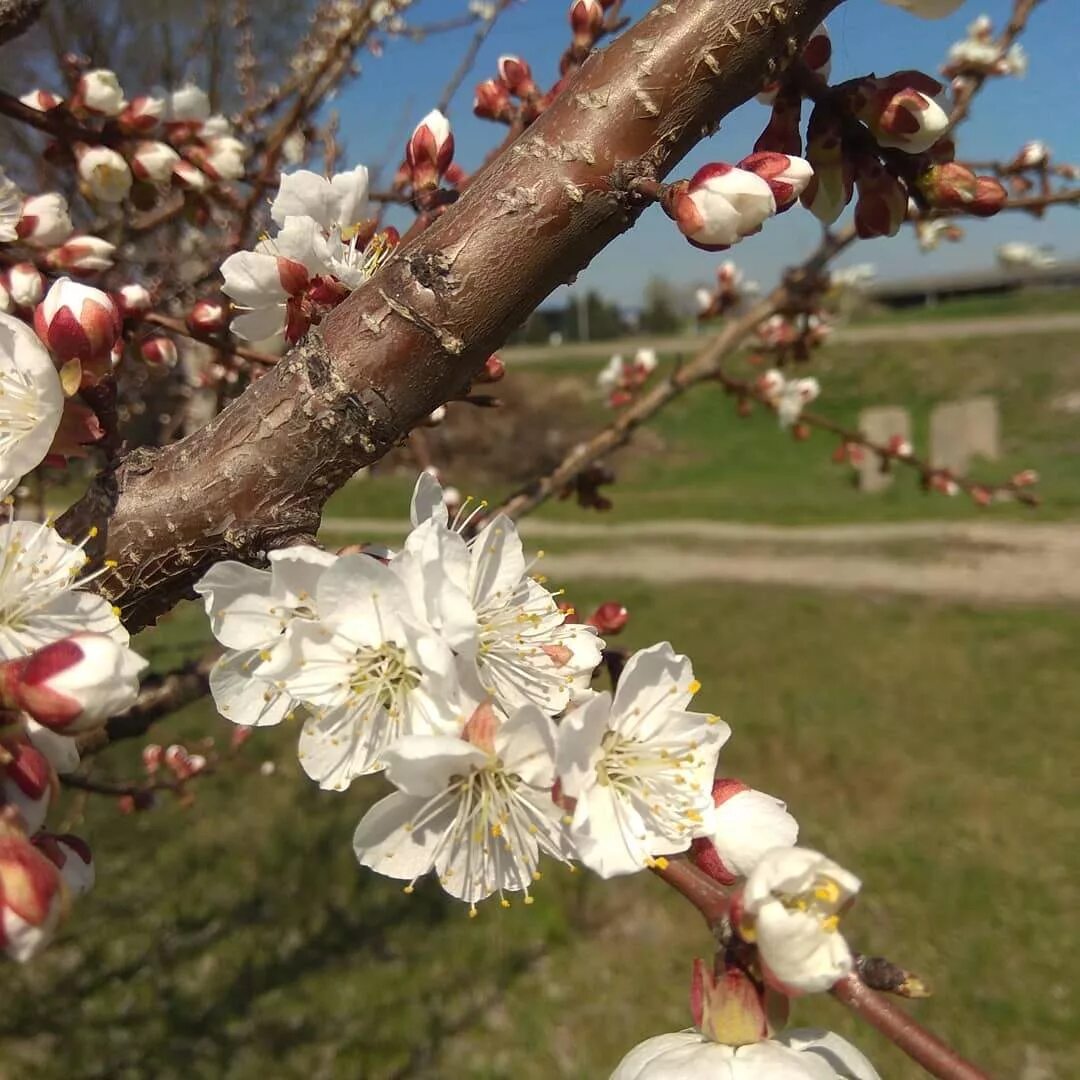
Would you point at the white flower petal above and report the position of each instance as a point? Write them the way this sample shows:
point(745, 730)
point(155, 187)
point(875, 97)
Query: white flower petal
point(243, 699)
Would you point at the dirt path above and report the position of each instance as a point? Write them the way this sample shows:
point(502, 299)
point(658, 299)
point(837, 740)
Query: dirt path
point(942, 330)
point(983, 562)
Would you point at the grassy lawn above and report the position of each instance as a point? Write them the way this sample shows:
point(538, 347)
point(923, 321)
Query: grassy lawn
point(1024, 302)
point(698, 460)
point(931, 748)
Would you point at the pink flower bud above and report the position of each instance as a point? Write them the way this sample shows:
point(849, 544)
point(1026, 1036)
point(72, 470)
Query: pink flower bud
point(831, 187)
point(609, 618)
point(1032, 155)
point(76, 321)
point(900, 110)
point(190, 176)
point(154, 753)
point(133, 299)
point(899, 447)
point(782, 134)
point(159, 351)
point(586, 22)
point(494, 370)
point(99, 93)
point(949, 186)
point(31, 895)
point(990, 197)
point(720, 205)
point(82, 253)
point(516, 76)
point(73, 685)
point(1025, 478)
point(141, 115)
point(786, 176)
point(26, 284)
point(492, 101)
point(103, 173)
point(45, 220)
point(207, 317)
point(182, 764)
point(27, 781)
point(71, 855)
point(222, 158)
point(430, 151)
point(154, 161)
point(882, 204)
point(42, 100)
point(727, 1006)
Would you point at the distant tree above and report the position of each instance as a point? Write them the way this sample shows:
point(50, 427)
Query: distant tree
point(660, 313)
point(602, 320)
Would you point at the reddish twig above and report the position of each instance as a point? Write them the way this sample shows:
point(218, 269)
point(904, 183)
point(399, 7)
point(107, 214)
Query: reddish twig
point(222, 344)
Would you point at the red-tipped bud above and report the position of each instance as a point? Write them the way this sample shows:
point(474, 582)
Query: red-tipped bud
point(492, 101)
point(27, 781)
point(830, 189)
point(429, 151)
point(73, 685)
point(99, 93)
point(586, 22)
point(190, 176)
point(72, 856)
point(882, 203)
point(82, 254)
point(516, 76)
point(182, 764)
point(990, 197)
point(207, 317)
point(31, 895)
point(45, 220)
point(494, 370)
point(141, 115)
point(787, 176)
point(154, 162)
point(133, 299)
point(948, 186)
point(727, 1007)
point(609, 618)
point(42, 100)
point(154, 753)
point(900, 110)
point(77, 322)
point(159, 351)
point(1025, 478)
point(720, 205)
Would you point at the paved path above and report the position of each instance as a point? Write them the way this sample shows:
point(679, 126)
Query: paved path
point(981, 562)
point(944, 329)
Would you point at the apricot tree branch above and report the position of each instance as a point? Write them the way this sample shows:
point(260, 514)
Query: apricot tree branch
point(415, 335)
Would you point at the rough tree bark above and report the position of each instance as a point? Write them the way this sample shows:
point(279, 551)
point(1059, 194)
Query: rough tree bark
point(17, 16)
point(413, 336)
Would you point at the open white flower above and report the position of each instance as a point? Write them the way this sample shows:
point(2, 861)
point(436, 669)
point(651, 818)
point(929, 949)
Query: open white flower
point(479, 815)
point(339, 203)
point(790, 908)
point(31, 401)
point(249, 611)
point(523, 649)
point(370, 670)
point(640, 766)
point(39, 598)
point(806, 1054)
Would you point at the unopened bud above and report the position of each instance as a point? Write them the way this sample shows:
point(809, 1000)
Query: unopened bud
point(882, 204)
point(42, 100)
point(586, 22)
point(609, 618)
point(26, 284)
point(190, 176)
point(720, 205)
point(82, 253)
point(103, 173)
point(159, 351)
point(207, 317)
point(429, 151)
point(492, 101)
point(99, 93)
point(516, 76)
point(990, 197)
point(141, 115)
point(831, 187)
point(154, 161)
point(71, 855)
point(76, 321)
point(949, 186)
point(154, 753)
point(787, 176)
point(900, 110)
point(45, 220)
point(133, 299)
point(73, 685)
point(494, 370)
point(31, 895)
point(27, 781)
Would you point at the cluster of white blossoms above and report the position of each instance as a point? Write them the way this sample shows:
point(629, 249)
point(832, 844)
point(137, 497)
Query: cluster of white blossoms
point(451, 669)
point(787, 396)
point(65, 668)
point(320, 253)
point(980, 54)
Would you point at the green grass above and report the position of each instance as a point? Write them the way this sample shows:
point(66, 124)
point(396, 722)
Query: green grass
point(930, 748)
point(698, 460)
point(1034, 301)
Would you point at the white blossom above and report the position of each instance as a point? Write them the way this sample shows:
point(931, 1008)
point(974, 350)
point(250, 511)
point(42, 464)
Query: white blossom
point(39, 598)
point(11, 204)
point(793, 1055)
point(249, 611)
point(479, 815)
point(336, 203)
point(99, 92)
point(493, 613)
point(639, 766)
point(790, 908)
point(104, 174)
point(31, 401)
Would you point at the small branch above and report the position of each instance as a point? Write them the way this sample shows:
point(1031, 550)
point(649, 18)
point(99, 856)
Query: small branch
point(921, 1045)
point(178, 326)
point(706, 894)
point(467, 61)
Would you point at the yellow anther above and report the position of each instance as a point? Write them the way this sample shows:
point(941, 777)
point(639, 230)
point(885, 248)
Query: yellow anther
point(528, 899)
point(694, 686)
point(94, 530)
point(504, 903)
point(661, 863)
point(473, 912)
point(828, 891)
point(111, 564)
point(408, 890)
point(830, 924)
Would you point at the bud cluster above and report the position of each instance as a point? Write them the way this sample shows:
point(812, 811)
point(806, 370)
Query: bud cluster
point(622, 379)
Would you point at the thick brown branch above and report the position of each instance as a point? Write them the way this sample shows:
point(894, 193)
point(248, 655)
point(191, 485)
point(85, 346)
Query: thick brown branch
point(415, 335)
point(17, 16)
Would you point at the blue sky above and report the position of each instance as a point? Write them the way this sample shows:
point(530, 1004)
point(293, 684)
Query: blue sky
point(395, 90)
